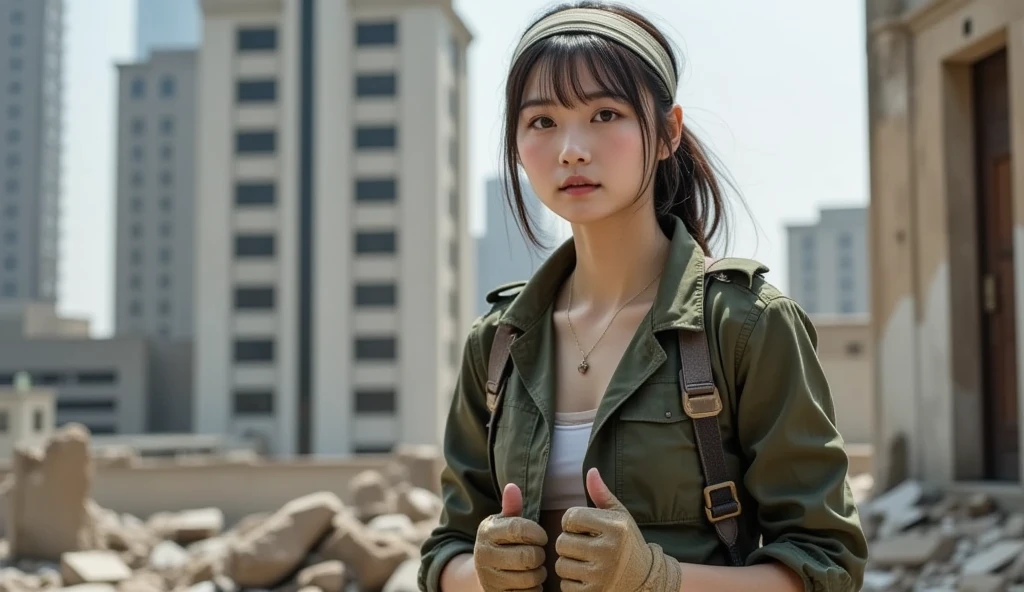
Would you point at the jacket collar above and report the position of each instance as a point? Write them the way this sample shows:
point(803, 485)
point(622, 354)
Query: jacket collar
point(679, 303)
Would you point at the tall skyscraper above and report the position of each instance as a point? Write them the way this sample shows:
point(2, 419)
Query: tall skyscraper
point(332, 238)
point(503, 253)
point(828, 262)
point(153, 292)
point(31, 66)
point(166, 24)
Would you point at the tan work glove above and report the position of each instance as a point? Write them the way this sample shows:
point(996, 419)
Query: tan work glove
point(509, 550)
point(602, 549)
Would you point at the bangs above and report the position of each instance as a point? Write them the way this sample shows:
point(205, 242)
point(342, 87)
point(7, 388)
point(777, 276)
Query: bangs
point(561, 60)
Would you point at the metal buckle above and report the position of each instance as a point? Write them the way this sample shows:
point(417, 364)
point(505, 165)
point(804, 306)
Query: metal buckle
point(731, 486)
point(703, 401)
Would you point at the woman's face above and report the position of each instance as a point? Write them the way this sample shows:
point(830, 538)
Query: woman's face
point(586, 162)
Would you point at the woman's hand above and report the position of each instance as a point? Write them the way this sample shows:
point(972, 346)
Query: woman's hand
point(602, 549)
point(509, 551)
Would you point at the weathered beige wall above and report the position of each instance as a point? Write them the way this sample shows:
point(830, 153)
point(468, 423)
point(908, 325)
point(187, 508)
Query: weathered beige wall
point(922, 186)
point(846, 352)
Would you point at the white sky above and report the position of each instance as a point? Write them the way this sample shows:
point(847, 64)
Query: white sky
point(776, 88)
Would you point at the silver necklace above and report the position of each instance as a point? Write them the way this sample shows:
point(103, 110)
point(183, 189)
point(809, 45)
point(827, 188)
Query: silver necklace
point(584, 365)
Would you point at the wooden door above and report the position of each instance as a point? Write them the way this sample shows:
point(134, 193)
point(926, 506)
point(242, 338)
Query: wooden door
point(995, 238)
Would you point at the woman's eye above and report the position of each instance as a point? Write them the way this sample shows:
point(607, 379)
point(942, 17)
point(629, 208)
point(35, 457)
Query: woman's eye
point(542, 122)
point(606, 115)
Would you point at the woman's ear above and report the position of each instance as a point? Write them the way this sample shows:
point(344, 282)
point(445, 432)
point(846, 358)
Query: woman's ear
point(675, 131)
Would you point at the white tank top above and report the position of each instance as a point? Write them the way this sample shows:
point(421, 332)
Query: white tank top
point(563, 482)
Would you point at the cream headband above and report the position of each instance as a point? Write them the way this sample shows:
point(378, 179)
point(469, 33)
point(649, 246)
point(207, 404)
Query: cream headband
point(607, 24)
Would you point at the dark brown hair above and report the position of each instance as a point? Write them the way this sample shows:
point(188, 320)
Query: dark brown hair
point(686, 185)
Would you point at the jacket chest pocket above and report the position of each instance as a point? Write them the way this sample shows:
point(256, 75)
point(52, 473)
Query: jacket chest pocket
point(658, 472)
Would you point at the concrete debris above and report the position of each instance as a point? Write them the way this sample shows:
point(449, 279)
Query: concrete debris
point(922, 539)
point(58, 538)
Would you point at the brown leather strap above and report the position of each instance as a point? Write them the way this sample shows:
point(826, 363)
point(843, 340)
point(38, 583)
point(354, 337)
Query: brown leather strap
point(499, 366)
point(702, 402)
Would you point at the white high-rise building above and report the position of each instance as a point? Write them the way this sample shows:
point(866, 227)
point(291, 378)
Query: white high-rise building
point(31, 121)
point(153, 290)
point(828, 263)
point(333, 250)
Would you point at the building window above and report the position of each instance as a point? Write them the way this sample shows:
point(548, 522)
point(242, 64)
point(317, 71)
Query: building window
point(453, 204)
point(376, 348)
point(254, 298)
point(4, 422)
point(108, 405)
point(255, 142)
point(256, 91)
point(376, 137)
point(138, 88)
point(372, 243)
point(453, 102)
point(99, 377)
point(254, 245)
point(376, 190)
point(167, 87)
point(262, 39)
point(453, 153)
point(254, 350)
point(376, 85)
point(254, 402)
point(374, 448)
point(254, 194)
point(373, 295)
point(138, 126)
point(167, 125)
point(376, 33)
point(375, 401)
point(37, 420)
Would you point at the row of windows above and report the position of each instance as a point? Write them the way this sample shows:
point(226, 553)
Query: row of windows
point(366, 137)
point(366, 295)
point(367, 190)
point(54, 377)
point(367, 34)
point(366, 349)
point(167, 87)
point(261, 402)
point(367, 243)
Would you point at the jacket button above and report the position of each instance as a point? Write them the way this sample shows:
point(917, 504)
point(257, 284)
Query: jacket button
point(668, 414)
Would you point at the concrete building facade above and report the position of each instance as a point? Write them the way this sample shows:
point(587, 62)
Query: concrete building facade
point(31, 123)
point(156, 138)
point(828, 262)
point(946, 82)
point(332, 222)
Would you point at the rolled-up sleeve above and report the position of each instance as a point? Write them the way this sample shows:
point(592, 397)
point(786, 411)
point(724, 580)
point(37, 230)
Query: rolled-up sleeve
point(466, 488)
point(797, 464)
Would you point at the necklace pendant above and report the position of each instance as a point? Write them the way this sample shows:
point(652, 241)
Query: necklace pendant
point(583, 367)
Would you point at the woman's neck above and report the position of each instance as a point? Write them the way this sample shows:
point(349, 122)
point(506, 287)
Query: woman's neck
point(617, 257)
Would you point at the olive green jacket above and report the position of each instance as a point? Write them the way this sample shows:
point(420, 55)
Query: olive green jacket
point(778, 425)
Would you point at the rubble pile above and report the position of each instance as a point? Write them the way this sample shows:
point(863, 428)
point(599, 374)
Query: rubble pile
point(57, 537)
point(927, 539)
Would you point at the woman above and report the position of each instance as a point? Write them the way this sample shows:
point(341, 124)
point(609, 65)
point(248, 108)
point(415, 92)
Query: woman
point(657, 424)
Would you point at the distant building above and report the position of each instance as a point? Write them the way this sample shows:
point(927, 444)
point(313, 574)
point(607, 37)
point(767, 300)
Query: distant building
point(828, 262)
point(503, 254)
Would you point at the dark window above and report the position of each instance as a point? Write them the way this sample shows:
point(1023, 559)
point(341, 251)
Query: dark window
point(99, 377)
point(375, 401)
point(251, 194)
point(376, 85)
point(256, 91)
point(257, 39)
point(254, 298)
point(254, 403)
point(138, 88)
point(376, 190)
point(854, 348)
point(167, 125)
point(376, 137)
point(376, 33)
point(453, 102)
point(453, 153)
point(138, 125)
point(453, 254)
point(77, 404)
point(37, 420)
point(376, 295)
point(105, 429)
point(4, 422)
point(453, 303)
point(254, 350)
point(167, 87)
point(374, 448)
point(6, 379)
point(255, 142)
point(375, 242)
point(376, 348)
point(255, 245)
point(48, 378)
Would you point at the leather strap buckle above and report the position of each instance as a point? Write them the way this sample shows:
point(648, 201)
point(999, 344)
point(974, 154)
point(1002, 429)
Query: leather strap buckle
point(709, 507)
point(700, 401)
